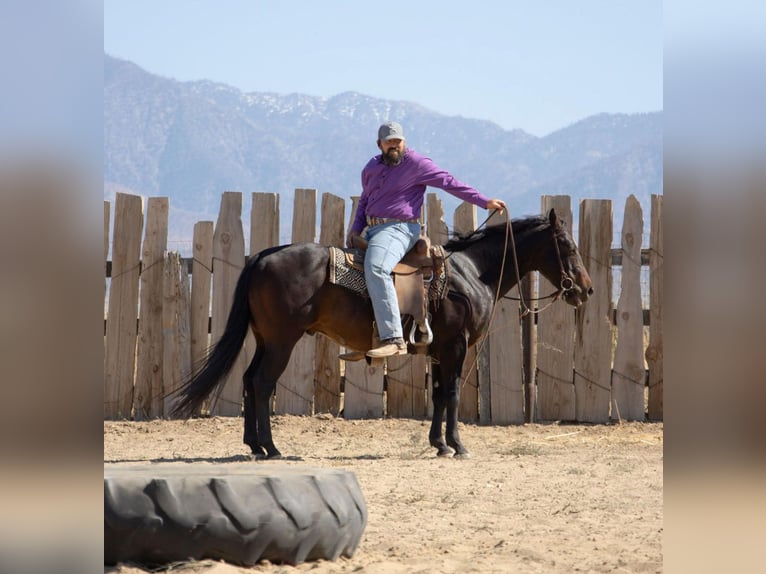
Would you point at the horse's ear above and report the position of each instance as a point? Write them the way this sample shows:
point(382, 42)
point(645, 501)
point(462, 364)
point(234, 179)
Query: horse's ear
point(553, 218)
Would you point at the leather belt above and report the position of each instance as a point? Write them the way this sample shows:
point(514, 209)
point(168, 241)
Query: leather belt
point(381, 220)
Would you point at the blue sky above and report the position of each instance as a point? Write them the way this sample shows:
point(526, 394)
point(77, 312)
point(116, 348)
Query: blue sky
point(537, 66)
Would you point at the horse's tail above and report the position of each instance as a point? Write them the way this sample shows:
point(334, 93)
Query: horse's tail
point(212, 372)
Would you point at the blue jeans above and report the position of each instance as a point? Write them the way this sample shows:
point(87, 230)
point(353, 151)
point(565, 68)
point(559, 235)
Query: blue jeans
point(387, 245)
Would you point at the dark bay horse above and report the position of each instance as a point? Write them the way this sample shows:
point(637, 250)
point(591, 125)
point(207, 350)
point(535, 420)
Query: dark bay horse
point(284, 292)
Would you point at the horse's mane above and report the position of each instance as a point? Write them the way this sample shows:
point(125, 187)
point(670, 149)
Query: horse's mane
point(520, 228)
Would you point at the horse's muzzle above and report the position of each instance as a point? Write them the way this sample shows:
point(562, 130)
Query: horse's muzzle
point(577, 295)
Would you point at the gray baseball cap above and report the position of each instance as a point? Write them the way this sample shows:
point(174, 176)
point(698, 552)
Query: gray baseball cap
point(390, 131)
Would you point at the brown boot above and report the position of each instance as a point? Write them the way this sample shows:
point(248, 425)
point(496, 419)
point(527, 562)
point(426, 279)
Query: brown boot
point(388, 348)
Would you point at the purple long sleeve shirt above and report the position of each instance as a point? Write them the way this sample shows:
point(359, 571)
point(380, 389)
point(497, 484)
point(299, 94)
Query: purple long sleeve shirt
point(398, 191)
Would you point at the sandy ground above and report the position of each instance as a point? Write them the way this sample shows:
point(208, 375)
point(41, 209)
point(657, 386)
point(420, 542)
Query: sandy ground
point(535, 498)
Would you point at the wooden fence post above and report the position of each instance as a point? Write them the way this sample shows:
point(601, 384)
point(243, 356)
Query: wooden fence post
point(437, 232)
point(506, 365)
point(593, 344)
point(529, 346)
point(121, 328)
point(654, 353)
point(362, 384)
point(464, 220)
point(295, 388)
point(363, 396)
point(228, 261)
point(107, 208)
point(555, 338)
point(176, 344)
point(202, 274)
point(264, 222)
point(147, 394)
point(327, 392)
point(628, 374)
point(406, 382)
point(264, 233)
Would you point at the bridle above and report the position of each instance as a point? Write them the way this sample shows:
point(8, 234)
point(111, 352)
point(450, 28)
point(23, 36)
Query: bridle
point(566, 285)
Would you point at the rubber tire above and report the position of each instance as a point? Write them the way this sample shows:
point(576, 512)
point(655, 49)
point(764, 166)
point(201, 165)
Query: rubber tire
point(242, 514)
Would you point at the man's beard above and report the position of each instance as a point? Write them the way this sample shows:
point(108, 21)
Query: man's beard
point(393, 157)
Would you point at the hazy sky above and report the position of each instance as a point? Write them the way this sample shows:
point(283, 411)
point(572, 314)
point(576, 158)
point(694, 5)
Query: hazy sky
point(538, 66)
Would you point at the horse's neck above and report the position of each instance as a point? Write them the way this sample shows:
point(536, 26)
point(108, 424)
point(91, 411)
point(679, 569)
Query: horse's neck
point(489, 257)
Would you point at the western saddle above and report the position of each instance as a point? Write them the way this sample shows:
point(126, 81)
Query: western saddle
point(412, 279)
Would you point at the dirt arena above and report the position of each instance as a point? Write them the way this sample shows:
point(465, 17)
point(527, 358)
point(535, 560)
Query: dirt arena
point(536, 498)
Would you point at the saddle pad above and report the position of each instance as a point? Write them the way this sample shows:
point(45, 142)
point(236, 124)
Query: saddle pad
point(343, 274)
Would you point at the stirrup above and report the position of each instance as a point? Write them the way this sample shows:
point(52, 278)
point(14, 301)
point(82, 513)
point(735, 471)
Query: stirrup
point(429, 334)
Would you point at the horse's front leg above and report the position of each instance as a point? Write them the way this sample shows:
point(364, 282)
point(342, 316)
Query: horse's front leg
point(435, 437)
point(451, 370)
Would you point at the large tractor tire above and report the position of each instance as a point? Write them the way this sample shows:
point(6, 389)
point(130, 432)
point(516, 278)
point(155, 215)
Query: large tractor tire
point(242, 514)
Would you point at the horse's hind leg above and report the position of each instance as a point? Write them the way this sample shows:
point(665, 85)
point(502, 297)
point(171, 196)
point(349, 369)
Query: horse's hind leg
point(270, 367)
point(251, 426)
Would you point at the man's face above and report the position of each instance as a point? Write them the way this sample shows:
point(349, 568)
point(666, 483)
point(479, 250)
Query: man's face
point(393, 151)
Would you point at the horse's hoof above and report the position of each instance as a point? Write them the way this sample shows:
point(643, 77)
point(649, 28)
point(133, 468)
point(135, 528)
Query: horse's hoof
point(257, 452)
point(462, 455)
point(264, 456)
point(443, 452)
point(272, 453)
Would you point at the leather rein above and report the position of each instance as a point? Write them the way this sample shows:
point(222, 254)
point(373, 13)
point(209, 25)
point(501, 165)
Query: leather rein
point(566, 285)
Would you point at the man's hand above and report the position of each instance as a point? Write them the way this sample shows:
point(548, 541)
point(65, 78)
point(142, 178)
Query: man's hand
point(496, 204)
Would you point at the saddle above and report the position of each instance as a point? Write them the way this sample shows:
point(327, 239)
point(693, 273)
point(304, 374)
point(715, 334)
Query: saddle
point(413, 277)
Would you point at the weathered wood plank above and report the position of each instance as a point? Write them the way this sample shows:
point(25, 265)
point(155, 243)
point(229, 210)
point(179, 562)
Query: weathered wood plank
point(228, 262)
point(147, 393)
point(436, 227)
point(505, 363)
point(593, 343)
point(654, 352)
point(363, 394)
point(202, 275)
point(555, 339)
point(264, 233)
point(529, 347)
point(628, 374)
point(264, 221)
point(464, 220)
point(176, 344)
point(362, 384)
point(107, 214)
point(406, 386)
point(327, 375)
point(437, 232)
point(295, 388)
point(121, 324)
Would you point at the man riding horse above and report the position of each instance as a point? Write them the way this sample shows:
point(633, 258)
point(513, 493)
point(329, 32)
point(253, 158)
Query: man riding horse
point(393, 186)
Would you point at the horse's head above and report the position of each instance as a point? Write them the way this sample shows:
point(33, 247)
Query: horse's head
point(564, 267)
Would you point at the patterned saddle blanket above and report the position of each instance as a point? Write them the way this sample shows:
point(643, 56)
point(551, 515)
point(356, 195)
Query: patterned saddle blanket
point(346, 268)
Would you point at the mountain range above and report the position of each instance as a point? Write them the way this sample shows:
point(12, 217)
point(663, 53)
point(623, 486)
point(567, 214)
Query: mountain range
point(191, 141)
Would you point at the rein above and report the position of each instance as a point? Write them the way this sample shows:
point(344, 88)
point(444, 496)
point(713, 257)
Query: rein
point(566, 284)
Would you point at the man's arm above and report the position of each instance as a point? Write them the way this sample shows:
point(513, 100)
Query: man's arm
point(434, 176)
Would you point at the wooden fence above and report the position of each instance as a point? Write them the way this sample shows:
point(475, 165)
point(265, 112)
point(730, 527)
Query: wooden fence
point(593, 364)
